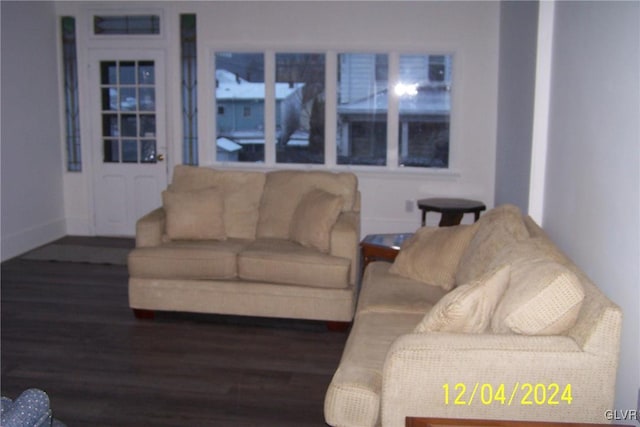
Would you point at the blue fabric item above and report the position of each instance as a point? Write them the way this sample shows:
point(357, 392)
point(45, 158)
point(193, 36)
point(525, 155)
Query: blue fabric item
point(30, 409)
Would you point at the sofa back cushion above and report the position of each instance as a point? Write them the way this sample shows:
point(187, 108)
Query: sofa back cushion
point(496, 229)
point(194, 215)
point(284, 190)
point(432, 255)
point(240, 190)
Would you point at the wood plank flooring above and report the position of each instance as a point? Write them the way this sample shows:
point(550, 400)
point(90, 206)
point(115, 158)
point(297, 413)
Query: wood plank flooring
point(67, 329)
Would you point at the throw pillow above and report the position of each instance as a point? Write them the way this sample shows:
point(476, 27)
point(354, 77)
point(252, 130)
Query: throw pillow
point(543, 298)
point(194, 215)
point(314, 218)
point(469, 307)
point(496, 228)
point(432, 255)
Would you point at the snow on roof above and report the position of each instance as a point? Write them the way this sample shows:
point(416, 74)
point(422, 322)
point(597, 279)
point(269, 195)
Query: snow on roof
point(231, 86)
point(227, 144)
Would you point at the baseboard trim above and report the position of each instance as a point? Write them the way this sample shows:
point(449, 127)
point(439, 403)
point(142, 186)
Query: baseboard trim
point(19, 242)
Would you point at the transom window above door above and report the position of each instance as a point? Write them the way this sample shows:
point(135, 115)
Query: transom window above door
point(128, 104)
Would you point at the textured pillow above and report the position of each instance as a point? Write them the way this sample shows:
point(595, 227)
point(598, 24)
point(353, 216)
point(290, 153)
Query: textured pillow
point(284, 189)
point(469, 307)
point(543, 298)
point(194, 215)
point(432, 255)
point(496, 229)
point(314, 218)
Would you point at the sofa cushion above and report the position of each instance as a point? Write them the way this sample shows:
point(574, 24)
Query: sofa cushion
point(241, 191)
point(544, 297)
point(284, 189)
point(196, 214)
point(203, 259)
point(432, 254)
point(284, 261)
point(469, 307)
point(496, 229)
point(313, 219)
point(383, 292)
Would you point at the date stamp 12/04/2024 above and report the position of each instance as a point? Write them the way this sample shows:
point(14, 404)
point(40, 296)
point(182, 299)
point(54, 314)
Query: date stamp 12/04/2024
point(524, 394)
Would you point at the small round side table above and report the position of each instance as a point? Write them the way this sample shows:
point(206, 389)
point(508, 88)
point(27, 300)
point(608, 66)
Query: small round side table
point(452, 210)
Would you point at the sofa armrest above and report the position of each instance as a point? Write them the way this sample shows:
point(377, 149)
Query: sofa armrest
point(150, 228)
point(345, 238)
point(522, 378)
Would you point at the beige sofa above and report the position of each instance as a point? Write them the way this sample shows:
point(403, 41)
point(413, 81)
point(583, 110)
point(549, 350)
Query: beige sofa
point(484, 321)
point(275, 244)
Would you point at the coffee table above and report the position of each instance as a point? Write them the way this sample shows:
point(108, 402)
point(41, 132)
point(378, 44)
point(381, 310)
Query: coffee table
point(451, 422)
point(381, 247)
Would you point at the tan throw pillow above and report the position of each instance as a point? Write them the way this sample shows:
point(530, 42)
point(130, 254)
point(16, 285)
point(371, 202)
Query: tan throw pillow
point(314, 218)
point(496, 229)
point(543, 298)
point(432, 255)
point(194, 215)
point(469, 307)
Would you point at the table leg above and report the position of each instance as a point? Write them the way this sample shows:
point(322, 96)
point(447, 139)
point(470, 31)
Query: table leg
point(449, 219)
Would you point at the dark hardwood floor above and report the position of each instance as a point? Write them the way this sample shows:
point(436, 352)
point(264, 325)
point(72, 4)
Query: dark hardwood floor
point(67, 329)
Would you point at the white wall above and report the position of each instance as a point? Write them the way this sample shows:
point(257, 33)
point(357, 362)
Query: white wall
point(468, 29)
point(32, 194)
point(592, 196)
point(518, 33)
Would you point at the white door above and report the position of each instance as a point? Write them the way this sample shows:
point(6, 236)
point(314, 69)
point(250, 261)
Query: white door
point(128, 137)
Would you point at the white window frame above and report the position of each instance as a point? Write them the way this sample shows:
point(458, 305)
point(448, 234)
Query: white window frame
point(331, 81)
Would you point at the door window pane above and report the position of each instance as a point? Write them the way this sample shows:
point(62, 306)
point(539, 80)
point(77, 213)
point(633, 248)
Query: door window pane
point(130, 151)
point(362, 109)
point(129, 125)
point(147, 99)
point(300, 101)
point(127, 73)
point(148, 125)
point(146, 73)
point(111, 150)
point(128, 100)
point(148, 151)
point(110, 125)
point(424, 92)
point(239, 85)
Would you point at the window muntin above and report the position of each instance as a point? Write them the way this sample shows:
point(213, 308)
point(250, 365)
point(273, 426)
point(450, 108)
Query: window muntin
point(240, 86)
point(424, 92)
point(300, 102)
point(362, 109)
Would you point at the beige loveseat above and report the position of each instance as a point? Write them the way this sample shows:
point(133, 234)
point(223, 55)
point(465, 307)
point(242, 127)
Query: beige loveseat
point(275, 244)
point(483, 321)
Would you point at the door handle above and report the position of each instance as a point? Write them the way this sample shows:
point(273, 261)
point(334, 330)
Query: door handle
point(160, 157)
